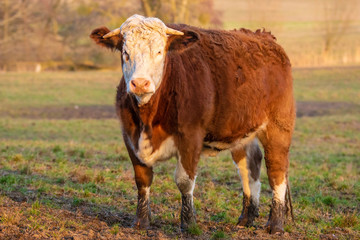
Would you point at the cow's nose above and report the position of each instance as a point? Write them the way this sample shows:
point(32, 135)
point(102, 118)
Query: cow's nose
point(140, 86)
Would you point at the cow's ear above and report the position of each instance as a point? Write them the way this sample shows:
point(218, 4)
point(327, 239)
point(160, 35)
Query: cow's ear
point(114, 42)
point(182, 42)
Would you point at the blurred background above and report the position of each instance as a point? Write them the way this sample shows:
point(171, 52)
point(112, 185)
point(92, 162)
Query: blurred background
point(38, 35)
point(64, 169)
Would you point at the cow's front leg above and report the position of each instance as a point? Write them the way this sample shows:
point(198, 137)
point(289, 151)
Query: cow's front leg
point(189, 150)
point(143, 179)
point(186, 185)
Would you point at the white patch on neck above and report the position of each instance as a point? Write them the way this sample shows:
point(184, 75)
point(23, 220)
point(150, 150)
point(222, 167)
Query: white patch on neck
point(280, 191)
point(146, 154)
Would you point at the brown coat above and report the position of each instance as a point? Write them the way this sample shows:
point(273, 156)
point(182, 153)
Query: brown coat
point(219, 88)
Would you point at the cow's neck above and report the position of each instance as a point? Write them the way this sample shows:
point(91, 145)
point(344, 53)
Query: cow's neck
point(154, 107)
point(153, 112)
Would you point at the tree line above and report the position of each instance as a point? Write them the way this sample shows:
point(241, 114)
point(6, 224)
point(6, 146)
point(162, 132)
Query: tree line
point(55, 32)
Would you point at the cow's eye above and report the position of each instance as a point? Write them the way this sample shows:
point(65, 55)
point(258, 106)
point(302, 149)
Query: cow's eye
point(159, 53)
point(126, 56)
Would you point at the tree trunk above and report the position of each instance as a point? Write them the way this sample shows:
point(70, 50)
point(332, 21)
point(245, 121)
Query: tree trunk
point(146, 8)
point(6, 20)
point(182, 10)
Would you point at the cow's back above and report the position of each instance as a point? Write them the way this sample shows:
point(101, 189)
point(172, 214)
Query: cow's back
point(243, 75)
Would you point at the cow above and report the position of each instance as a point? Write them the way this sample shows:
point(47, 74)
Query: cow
point(188, 91)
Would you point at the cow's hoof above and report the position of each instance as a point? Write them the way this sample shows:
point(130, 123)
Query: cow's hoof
point(244, 221)
point(247, 220)
point(275, 228)
point(187, 222)
point(188, 218)
point(275, 223)
point(141, 223)
point(249, 213)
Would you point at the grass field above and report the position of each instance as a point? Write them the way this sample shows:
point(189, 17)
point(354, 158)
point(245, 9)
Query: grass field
point(65, 173)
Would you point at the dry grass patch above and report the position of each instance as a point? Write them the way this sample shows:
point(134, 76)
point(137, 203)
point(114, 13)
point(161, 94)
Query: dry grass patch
point(80, 175)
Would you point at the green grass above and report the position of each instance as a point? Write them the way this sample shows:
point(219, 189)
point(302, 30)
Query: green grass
point(194, 229)
point(329, 85)
point(79, 130)
point(46, 89)
point(75, 165)
point(219, 235)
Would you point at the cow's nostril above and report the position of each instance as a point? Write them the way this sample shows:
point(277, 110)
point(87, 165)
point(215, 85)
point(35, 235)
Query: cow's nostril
point(139, 85)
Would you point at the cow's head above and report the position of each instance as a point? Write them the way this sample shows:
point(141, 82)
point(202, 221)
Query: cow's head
point(144, 44)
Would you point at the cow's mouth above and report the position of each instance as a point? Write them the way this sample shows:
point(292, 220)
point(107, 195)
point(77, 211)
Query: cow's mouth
point(143, 98)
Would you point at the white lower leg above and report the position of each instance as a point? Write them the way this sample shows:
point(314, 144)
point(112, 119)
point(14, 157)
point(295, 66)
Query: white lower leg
point(183, 181)
point(280, 191)
point(255, 188)
point(186, 187)
point(251, 187)
point(147, 193)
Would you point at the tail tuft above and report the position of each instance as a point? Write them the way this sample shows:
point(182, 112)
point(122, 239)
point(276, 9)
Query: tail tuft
point(288, 203)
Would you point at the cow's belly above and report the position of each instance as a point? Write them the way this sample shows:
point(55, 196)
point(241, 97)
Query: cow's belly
point(149, 156)
point(167, 149)
point(213, 147)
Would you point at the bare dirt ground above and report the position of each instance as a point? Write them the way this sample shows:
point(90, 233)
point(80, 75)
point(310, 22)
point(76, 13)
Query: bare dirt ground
point(64, 112)
point(97, 225)
point(312, 109)
point(304, 109)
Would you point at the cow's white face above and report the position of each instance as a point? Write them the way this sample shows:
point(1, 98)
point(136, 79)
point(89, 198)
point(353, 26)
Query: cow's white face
point(143, 56)
point(144, 43)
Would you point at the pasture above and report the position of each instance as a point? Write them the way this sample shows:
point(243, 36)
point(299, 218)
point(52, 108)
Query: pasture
point(65, 173)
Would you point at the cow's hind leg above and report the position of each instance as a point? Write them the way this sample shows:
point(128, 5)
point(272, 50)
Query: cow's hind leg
point(248, 161)
point(276, 142)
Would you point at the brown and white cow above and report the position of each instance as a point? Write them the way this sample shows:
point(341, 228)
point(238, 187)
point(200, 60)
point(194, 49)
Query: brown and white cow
point(187, 91)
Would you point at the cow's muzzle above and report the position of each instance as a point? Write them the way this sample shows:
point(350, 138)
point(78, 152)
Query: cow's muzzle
point(140, 86)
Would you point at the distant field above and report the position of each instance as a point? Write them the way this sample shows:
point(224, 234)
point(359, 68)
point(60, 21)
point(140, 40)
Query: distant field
point(298, 27)
point(64, 171)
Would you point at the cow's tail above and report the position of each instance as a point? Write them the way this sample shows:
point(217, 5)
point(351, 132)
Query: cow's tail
point(288, 202)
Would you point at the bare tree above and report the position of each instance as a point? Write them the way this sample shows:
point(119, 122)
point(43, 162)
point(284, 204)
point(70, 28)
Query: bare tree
point(337, 17)
point(263, 13)
point(49, 9)
point(13, 30)
point(151, 7)
point(196, 12)
point(56, 31)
